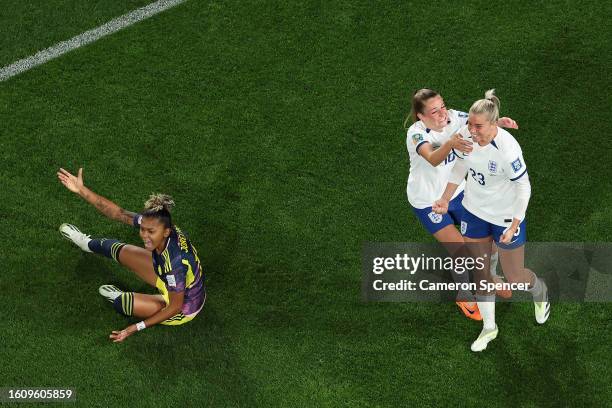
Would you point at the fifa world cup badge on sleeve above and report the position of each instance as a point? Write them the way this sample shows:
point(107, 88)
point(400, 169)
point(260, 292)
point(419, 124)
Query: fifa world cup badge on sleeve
point(516, 165)
point(417, 138)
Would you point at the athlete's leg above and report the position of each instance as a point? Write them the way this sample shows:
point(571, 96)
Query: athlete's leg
point(147, 305)
point(513, 264)
point(133, 304)
point(139, 261)
point(442, 227)
point(481, 248)
point(453, 242)
point(503, 293)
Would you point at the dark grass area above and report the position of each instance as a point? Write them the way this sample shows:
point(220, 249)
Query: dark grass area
point(278, 130)
point(29, 26)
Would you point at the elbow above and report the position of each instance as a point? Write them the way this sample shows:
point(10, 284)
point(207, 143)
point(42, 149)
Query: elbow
point(432, 161)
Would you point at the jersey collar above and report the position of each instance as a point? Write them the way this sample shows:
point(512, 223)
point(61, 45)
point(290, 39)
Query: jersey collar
point(166, 246)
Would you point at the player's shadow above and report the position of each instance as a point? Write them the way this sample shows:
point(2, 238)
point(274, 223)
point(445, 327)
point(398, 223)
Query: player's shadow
point(81, 307)
point(187, 352)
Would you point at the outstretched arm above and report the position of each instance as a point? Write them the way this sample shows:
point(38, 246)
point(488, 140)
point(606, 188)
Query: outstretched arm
point(105, 206)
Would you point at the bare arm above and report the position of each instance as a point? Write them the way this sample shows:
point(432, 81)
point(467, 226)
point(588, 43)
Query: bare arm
point(437, 156)
point(105, 206)
point(458, 173)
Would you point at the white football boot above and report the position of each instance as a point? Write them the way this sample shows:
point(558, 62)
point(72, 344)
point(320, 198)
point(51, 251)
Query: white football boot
point(72, 233)
point(110, 292)
point(542, 309)
point(484, 338)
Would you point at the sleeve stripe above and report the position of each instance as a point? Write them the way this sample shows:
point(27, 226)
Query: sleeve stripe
point(456, 155)
point(421, 144)
point(521, 175)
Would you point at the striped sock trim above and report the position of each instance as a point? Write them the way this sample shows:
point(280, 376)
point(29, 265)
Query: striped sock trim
point(115, 249)
point(124, 304)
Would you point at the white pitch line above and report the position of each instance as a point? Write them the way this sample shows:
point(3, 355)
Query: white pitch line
point(87, 37)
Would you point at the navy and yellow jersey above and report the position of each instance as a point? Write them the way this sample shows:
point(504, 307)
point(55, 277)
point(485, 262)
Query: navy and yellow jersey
point(178, 268)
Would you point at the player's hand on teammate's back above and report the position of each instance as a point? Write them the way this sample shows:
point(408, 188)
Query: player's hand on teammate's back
point(507, 123)
point(459, 143)
point(72, 183)
point(440, 206)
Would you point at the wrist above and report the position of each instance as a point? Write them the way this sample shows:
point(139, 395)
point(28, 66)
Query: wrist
point(82, 192)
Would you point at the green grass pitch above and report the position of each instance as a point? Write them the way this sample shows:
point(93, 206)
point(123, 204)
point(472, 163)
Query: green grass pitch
point(277, 127)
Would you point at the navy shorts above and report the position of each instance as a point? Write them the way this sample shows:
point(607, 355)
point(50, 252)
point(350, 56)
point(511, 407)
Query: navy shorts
point(475, 227)
point(435, 222)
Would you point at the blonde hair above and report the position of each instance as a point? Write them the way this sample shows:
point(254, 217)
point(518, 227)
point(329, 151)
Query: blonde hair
point(158, 202)
point(489, 106)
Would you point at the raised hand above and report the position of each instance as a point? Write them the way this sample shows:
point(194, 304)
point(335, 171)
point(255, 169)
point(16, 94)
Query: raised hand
point(461, 144)
point(72, 183)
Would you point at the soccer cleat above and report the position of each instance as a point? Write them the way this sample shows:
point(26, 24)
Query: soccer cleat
point(484, 338)
point(110, 292)
point(472, 312)
point(72, 233)
point(502, 293)
point(542, 309)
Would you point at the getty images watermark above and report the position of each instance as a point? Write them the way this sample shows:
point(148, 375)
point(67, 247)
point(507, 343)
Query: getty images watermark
point(409, 272)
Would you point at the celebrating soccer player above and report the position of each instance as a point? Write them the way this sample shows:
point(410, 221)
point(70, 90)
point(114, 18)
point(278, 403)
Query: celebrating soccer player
point(167, 262)
point(497, 193)
point(431, 141)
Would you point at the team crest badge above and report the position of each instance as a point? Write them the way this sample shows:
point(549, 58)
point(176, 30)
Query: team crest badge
point(463, 227)
point(435, 218)
point(492, 166)
point(416, 138)
point(516, 165)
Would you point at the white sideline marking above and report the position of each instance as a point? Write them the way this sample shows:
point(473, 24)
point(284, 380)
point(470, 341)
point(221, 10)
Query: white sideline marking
point(87, 37)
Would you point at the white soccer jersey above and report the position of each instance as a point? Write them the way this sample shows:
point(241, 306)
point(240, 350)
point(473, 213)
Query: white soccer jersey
point(490, 192)
point(426, 183)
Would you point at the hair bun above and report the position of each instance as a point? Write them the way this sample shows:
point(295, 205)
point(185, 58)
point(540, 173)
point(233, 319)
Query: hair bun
point(490, 95)
point(158, 202)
